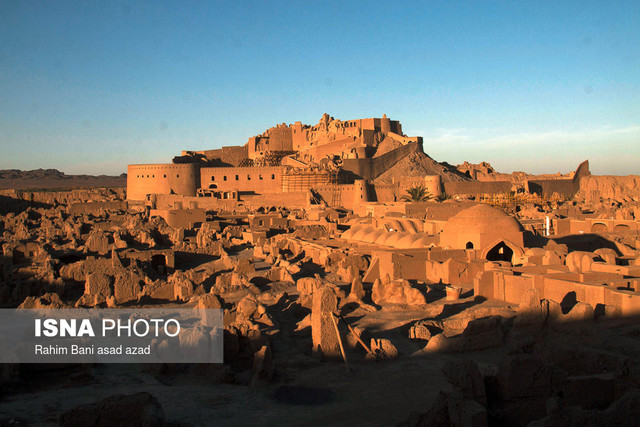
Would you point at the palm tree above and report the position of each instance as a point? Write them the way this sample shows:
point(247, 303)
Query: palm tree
point(417, 193)
point(443, 197)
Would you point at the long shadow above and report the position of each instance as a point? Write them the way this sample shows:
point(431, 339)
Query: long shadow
point(586, 242)
point(449, 310)
point(189, 260)
point(17, 206)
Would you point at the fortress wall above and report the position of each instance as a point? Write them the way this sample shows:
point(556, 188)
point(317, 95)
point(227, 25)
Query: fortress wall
point(280, 139)
point(369, 124)
point(329, 149)
point(92, 207)
point(298, 136)
point(610, 187)
point(565, 187)
point(385, 192)
point(234, 154)
point(231, 154)
point(291, 200)
point(372, 168)
point(337, 195)
point(182, 179)
point(396, 127)
point(66, 197)
point(257, 179)
point(476, 187)
point(302, 181)
point(546, 187)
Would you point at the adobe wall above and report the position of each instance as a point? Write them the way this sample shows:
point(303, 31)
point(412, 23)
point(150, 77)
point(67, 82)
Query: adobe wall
point(504, 285)
point(593, 188)
point(182, 179)
point(337, 195)
point(370, 169)
point(232, 155)
point(477, 187)
point(266, 179)
point(385, 192)
point(181, 218)
point(290, 200)
point(566, 226)
point(280, 138)
point(92, 207)
point(296, 180)
point(565, 187)
point(172, 201)
point(66, 197)
point(298, 136)
point(336, 147)
point(547, 187)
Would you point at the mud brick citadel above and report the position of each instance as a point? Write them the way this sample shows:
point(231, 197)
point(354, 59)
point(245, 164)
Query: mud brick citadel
point(501, 299)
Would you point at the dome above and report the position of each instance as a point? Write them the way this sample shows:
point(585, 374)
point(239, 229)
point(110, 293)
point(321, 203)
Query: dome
point(482, 218)
point(361, 232)
point(479, 226)
point(408, 241)
point(372, 236)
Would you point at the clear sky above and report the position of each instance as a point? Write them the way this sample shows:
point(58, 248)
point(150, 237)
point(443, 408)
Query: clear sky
point(89, 87)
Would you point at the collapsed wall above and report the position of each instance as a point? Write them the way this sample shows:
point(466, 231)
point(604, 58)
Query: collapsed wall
point(620, 188)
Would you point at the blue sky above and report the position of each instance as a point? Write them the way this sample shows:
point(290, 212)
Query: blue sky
point(88, 87)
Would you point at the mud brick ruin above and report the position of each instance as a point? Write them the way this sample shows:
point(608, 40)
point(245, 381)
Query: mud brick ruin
point(497, 299)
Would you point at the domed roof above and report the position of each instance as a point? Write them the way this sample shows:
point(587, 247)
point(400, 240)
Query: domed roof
point(482, 218)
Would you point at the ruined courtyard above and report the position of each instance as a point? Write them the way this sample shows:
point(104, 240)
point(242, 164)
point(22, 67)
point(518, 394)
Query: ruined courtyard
point(362, 282)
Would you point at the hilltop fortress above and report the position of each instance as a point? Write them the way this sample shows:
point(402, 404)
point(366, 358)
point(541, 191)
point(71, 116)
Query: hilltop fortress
point(336, 162)
point(316, 246)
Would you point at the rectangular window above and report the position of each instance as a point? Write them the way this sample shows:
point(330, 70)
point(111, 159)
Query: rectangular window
point(248, 177)
point(273, 176)
point(237, 177)
point(224, 178)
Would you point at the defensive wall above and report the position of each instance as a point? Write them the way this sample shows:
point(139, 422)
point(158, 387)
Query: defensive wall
point(171, 178)
point(564, 187)
point(267, 179)
point(477, 187)
point(370, 169)
point(231, 155)
point(172, 201)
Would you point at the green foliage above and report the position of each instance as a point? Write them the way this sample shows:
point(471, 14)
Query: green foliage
point(417, 193)
point(443, 197)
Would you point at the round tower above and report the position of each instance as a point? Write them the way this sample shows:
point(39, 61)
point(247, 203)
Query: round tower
point(385, 125)
point(359, 191)
point(433, 185)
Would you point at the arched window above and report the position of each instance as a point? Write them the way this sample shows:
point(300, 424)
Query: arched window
point(469, 245)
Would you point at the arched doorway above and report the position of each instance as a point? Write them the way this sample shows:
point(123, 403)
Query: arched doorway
point(500, 252)
point(159, 263)
point(469, 245)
